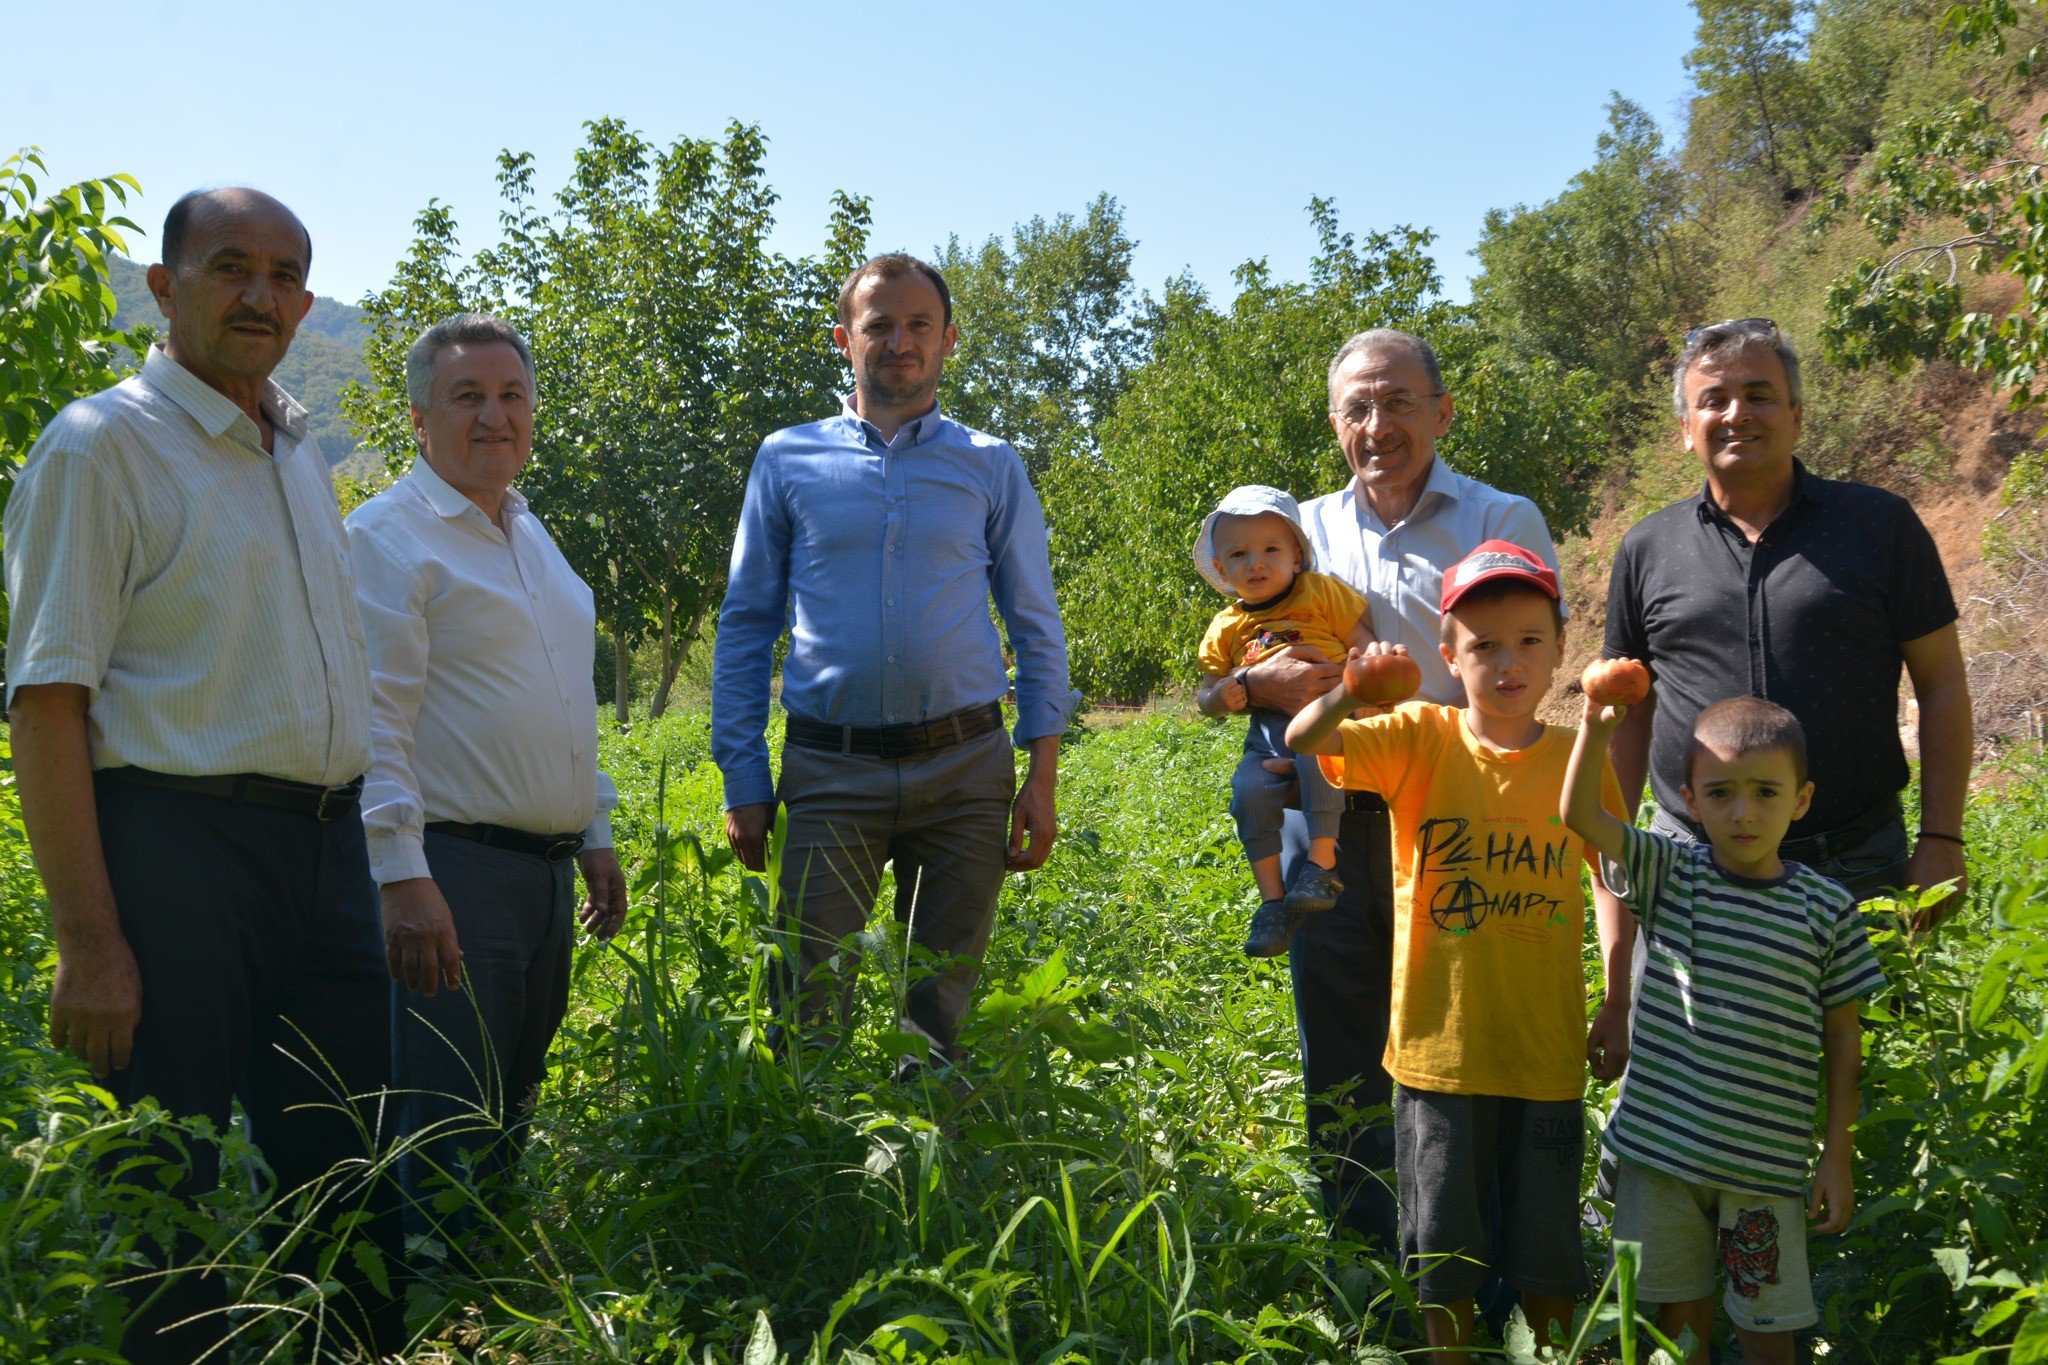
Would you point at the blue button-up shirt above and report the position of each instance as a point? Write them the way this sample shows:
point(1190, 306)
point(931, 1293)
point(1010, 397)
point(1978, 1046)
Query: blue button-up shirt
point(880, 557)
point(1400, 568)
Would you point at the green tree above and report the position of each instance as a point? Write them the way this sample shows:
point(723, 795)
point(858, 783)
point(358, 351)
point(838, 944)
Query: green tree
point(1048, 337)
point(1747, 59)
point(669, 341)
point(57, 337)
point(1241, 396)
point(1955, 176)
point(1603, 276)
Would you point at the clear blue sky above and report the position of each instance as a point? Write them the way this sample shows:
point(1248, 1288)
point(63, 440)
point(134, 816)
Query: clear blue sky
point(1212, 123)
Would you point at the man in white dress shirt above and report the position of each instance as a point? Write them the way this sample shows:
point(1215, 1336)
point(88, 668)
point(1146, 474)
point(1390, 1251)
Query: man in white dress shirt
point(485, 782)
point(191, 712)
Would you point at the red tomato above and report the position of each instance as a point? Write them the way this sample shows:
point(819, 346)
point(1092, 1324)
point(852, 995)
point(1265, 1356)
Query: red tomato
point(1382, 679)
point(1616, 682)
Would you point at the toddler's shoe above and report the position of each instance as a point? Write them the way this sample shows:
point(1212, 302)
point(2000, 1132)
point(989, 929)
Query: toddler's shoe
point(1272, 929)
point(1315, 889)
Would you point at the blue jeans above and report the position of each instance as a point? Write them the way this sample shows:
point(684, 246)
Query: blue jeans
point(1259, 799)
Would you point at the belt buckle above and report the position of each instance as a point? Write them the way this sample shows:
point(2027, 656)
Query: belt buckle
point(897, 743)
point(320, 810)
point(561, 850)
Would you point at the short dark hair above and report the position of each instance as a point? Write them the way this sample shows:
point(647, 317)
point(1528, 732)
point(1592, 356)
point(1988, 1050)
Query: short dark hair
point(1493, 590)
point(1746, 725)
point(178, 222)
point(892, 266)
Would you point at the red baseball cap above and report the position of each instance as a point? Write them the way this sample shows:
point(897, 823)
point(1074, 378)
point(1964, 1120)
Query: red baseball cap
point(1497, 559)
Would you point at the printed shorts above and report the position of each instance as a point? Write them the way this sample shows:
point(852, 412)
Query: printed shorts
point(1689, 1231)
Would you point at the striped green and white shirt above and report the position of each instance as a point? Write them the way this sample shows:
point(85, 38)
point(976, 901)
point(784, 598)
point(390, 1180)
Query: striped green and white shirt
point(1724, 1078)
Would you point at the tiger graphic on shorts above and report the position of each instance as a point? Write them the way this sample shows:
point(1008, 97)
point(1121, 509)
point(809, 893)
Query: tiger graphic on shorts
point(1749, 1251)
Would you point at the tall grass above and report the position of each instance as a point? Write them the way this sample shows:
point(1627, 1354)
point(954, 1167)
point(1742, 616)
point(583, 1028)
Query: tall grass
point(1116, 1173)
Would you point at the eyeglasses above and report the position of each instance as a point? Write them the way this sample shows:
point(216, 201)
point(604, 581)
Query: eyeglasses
point(1393, 405)
point(1760, 325)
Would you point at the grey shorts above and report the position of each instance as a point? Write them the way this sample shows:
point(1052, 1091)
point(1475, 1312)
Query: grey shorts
point(1463, 1158)
point(1689, 1230)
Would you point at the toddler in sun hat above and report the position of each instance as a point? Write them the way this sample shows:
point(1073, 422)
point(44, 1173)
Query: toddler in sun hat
point(1253, 550)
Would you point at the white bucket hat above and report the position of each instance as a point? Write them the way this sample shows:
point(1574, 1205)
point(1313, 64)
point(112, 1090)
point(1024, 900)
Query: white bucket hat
point(1248, 501)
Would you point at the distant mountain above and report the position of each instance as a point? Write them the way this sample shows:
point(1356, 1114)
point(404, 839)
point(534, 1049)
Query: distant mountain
point(325, 355)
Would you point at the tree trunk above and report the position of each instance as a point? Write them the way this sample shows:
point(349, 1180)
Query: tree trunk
point(668, 660)
point(622, 666)
point(678, 650)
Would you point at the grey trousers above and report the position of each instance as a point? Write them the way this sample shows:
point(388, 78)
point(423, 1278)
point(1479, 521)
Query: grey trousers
point(466, 1063)
point(944, 818)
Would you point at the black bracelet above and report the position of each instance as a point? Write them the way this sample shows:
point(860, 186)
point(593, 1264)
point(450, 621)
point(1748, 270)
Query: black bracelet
point(1239, 675)
point(1955, 839)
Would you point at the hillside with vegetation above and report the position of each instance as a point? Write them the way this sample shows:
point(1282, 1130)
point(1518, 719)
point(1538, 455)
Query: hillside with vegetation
point(1119, 1172)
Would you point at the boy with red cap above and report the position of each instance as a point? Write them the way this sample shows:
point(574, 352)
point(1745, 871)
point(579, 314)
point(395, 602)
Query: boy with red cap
point(1487, 1038)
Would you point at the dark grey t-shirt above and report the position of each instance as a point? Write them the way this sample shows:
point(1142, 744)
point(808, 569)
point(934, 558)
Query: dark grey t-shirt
point(1810, 617)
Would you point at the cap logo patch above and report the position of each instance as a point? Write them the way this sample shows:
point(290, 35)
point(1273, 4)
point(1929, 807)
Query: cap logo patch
point(1473, 565)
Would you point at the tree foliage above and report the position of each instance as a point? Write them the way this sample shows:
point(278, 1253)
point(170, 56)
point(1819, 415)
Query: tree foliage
point(1602, 277)
point(1048, 336)
point(669, 341)
point(57, 336)
point(1240, 395)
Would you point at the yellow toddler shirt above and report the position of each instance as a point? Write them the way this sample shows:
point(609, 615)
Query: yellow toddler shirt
point(1318, 610)
point(1489, 991)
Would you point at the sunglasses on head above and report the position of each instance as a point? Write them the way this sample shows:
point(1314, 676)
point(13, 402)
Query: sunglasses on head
point(1764, 325)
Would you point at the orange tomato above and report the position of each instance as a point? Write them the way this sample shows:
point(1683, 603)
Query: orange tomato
point(1382, 679)
point(1616, 682)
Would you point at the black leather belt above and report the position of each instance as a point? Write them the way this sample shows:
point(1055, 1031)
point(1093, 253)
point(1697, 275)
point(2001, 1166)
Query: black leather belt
point(897, 741)
point(553, 847)
point(325, 804)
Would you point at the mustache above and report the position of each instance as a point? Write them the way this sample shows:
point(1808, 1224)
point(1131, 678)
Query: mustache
point(251, 316)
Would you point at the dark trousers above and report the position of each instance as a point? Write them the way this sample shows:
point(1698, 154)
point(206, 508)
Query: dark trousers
point(465, 1064)
point(944, 819)
point(259, 943)
point(1342, 963)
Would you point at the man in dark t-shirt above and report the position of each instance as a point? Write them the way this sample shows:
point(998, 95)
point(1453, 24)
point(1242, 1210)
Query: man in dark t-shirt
point(1812, 593)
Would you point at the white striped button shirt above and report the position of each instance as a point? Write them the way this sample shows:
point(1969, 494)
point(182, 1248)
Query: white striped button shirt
point(481, 644)
point(1400, 568)
point(156, 554)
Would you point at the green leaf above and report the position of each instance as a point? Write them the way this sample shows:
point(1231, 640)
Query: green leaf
point(1954, 1263)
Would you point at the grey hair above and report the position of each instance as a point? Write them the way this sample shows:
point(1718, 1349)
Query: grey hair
point(460, 329)
point(1734, 336)
point(1386, 338)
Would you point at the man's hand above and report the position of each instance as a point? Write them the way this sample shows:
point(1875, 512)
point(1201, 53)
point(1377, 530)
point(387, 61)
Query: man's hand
point(604, 888)
point(1934, 862)
point(419, 937)
point(1034, 816)
point(746, 829)
point(1834, 1192)
point(1287, 681)
point(96, 1002)
point(1607, 1040)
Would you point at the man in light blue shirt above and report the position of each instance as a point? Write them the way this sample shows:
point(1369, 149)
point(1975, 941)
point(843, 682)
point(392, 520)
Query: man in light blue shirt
point(877, 537)
point(1404, 518)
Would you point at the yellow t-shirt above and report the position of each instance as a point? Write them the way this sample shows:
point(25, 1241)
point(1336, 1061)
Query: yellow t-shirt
point(1318, 610)
point(1489, 993)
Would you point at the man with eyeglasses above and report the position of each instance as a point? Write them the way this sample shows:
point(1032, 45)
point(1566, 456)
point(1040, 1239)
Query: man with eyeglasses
point(1391, 533)
point(1808, 592)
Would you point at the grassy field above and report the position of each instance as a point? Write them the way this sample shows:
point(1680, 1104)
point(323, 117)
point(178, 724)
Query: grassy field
point(1120, 1174)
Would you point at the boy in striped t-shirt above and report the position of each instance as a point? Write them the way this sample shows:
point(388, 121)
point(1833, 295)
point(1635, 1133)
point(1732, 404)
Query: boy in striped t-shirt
point(1755, 967)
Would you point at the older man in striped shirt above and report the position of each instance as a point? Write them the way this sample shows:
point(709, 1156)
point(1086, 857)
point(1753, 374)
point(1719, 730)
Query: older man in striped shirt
point(190, 700)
